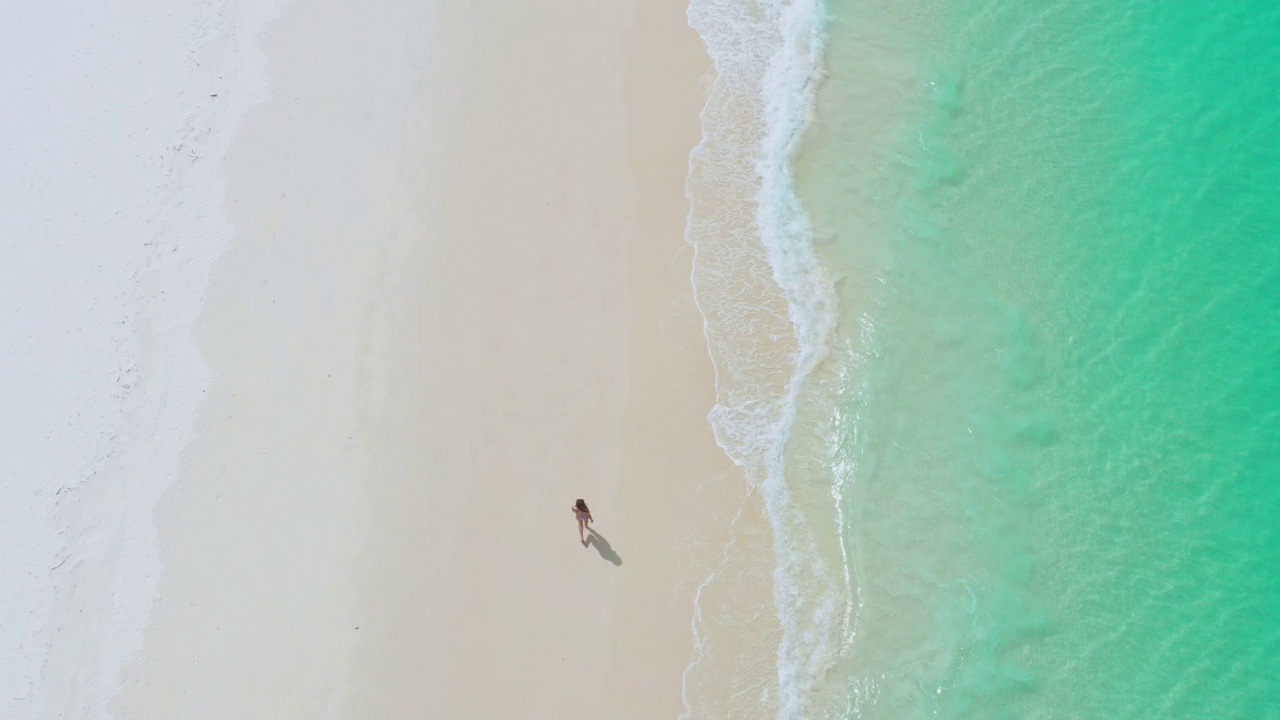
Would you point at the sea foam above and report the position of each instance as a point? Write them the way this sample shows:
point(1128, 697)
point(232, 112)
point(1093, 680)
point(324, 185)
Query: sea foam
point(768, 306)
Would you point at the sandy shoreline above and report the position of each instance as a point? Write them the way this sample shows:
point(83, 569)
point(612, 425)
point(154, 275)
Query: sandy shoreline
point(566, 195)
point(457, 299)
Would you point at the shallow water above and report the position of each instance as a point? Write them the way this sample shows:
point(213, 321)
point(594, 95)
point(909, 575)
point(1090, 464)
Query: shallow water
point(1035, 470)
point(1066, 435)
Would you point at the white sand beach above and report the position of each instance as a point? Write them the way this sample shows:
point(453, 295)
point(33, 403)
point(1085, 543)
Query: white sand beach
point(453, 296)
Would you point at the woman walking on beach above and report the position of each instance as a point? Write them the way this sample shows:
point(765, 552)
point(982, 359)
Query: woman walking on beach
point(583, 514)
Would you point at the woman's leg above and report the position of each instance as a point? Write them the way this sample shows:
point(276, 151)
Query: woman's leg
point(581, 524)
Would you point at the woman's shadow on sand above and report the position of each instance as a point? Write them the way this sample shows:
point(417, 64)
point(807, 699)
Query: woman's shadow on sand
point(602, 547)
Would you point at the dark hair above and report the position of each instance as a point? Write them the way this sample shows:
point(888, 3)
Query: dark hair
point(581, 505)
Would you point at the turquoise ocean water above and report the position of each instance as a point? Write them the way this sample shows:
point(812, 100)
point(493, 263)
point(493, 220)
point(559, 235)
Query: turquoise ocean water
point(993, 292)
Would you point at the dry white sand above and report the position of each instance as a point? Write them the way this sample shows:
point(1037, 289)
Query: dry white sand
point(456, 299)
point(115, 117)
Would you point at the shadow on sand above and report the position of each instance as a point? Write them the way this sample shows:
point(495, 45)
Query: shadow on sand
point(603, 547)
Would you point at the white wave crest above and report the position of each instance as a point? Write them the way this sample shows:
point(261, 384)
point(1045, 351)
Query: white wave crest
point(769, 308)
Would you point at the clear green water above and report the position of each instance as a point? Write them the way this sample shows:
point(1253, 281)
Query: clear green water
point(1056, 228)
